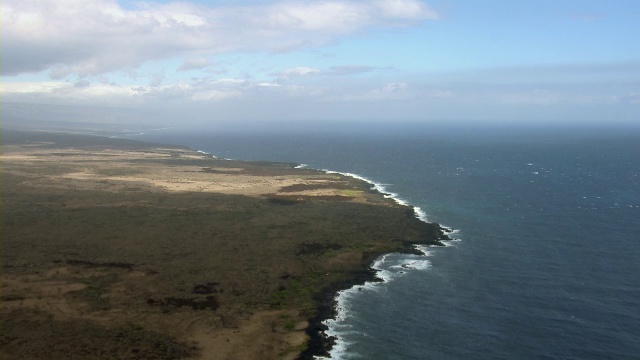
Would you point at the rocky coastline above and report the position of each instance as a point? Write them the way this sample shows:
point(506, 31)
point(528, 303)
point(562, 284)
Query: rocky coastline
point(319, 343)
point(164, 252)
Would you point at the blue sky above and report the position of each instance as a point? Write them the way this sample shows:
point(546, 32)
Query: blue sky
point(381, 60)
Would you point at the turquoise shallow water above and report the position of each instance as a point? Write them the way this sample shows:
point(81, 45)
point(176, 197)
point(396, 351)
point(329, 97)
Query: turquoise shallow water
point(549, 257)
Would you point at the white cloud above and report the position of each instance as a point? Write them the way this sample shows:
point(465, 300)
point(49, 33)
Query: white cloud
point(84, 92)
point(82, 83)
point(215, 95)
point(268, 84)
point(9, 88)
point(195, 63)
point(156, 79)
point(329, 16)
point(406, 9)
point(296, 72)
point(341, 70)
point(231, 81)
point(92, 37)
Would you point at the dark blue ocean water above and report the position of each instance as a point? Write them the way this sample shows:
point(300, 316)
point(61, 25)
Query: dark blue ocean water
point(548, 262)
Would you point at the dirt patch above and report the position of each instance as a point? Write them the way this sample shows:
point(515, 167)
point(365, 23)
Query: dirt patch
point(333, 185)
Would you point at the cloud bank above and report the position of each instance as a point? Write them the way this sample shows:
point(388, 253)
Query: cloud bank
point(92, 37)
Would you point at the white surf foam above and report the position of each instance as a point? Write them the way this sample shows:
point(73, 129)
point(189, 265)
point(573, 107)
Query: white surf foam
point(381, 188)
point(388, 267)
point(449, 243)
point(424, 249)
point(206, 153)
point(413, 265)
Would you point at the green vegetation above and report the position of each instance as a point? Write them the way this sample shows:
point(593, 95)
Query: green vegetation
point(352, 193)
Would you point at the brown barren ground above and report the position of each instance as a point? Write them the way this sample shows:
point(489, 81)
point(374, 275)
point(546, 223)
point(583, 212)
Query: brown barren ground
point(115, 249)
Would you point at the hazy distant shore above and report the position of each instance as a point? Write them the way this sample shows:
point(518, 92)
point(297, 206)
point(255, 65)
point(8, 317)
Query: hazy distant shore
point(164, 252)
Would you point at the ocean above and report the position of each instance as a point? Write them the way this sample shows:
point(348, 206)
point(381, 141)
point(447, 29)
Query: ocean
point(546, 261)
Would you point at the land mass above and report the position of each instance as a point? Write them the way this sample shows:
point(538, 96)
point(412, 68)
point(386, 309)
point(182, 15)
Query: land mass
point(122, 249)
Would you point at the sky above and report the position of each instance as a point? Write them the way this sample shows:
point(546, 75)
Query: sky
point(207, 62)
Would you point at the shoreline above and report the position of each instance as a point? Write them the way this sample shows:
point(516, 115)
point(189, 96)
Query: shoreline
point(304, 219)
point(320, 344)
